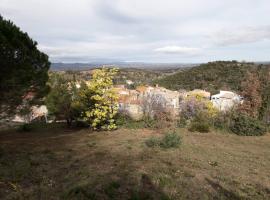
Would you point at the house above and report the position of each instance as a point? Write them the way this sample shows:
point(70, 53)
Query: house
point(170, 97)
point(132, 102)
point(226, 100)
point(129, 82)
point(129, 103)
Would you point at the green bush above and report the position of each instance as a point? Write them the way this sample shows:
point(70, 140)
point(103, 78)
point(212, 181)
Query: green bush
point(247, 126)
point(169, 140)
point(199, 126)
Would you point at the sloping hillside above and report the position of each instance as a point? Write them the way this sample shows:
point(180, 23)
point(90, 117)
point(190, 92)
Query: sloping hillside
point(212, 76)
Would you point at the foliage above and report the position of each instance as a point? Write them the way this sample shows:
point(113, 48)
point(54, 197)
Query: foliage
point(152, 142)
point(126, 122)
point(223, 120)
point(155, 112)
point(23, 69)
point(169, 140)
point(199, 126)
point(251, 91)
point(100, 99)
point(63, 100)
point(25, 128)
point(247, 126)
point(193, 106)
point(211, 76)
point(226, 75)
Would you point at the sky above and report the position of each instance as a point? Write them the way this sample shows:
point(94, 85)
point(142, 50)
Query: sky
point(164, 31)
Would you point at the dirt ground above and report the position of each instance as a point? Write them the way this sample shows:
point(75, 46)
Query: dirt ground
point(59, 163)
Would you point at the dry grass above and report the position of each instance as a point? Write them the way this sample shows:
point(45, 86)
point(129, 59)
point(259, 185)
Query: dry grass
point(56, 163)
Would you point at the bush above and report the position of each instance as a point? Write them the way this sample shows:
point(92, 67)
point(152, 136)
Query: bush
point(81, 124)
point(182, 122)
point(169, 140)
point(149, 122)
point(247, 126)
point(199, 126)
point(25, 128)
point(152, 142)
point(126, 122)
point(222, 121)
point(200, 123)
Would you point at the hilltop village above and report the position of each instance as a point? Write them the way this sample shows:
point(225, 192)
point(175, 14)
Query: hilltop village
point(132, 101)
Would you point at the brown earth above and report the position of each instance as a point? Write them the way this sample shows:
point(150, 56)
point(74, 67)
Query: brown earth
point(58, 163)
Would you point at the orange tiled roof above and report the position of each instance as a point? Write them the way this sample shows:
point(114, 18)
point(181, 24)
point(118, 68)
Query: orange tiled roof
point(141, 88)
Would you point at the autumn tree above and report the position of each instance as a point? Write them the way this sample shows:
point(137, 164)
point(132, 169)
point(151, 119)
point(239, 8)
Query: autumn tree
point(251, 91)
point(100, 99)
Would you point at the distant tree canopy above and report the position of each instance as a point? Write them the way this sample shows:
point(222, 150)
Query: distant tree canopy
point(211, 76)
point(23, 68)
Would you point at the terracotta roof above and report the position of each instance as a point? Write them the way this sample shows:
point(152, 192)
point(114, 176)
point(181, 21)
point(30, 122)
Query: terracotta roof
point(141, 88)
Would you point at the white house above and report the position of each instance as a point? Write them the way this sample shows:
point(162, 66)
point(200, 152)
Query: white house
point(226, 100)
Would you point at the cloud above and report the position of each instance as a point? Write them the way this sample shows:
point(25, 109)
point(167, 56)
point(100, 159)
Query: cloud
point(242, 35)
point(111, 12)
point(178, 50)
point(140, 30)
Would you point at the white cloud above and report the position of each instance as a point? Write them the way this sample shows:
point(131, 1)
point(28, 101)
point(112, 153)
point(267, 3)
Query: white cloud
point(178, 50)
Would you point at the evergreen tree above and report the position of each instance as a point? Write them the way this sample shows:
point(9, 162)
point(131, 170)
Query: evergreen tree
point(23, 68)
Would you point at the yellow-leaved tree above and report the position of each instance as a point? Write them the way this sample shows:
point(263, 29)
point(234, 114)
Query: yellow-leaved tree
point(100, 99)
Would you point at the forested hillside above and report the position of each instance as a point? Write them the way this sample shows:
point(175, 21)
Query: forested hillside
point(212, 76)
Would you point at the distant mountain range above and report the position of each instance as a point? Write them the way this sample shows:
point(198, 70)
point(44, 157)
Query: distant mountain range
point(137, 65)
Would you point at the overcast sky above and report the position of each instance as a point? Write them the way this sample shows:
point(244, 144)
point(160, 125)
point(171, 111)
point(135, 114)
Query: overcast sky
point(145, 30)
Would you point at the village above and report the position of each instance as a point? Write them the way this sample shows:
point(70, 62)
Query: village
point(132, 102)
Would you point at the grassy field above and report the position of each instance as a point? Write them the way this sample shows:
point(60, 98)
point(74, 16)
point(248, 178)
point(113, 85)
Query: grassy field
point(58, 163)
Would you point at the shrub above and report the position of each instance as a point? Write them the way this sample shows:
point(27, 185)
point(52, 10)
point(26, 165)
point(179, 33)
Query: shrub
point(169, 140)
point(200, 123)
point(222, 121)
point(126, 122)
point(182, 122)
point(152, 142)
point(149, 122)
point(247, 126)
point(200, 126)
point(25, 128)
